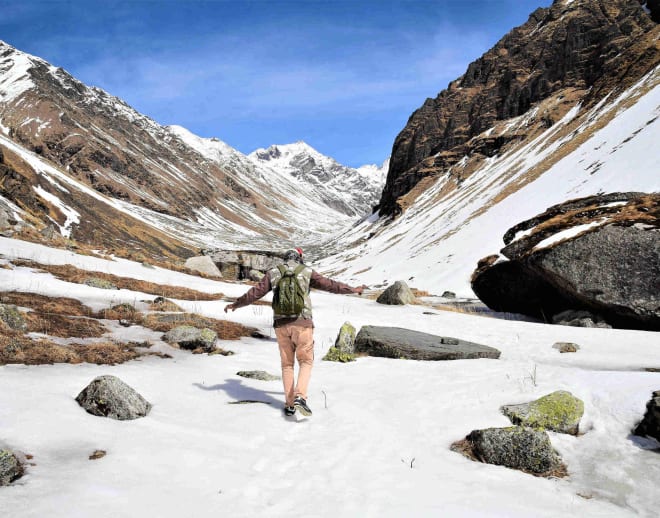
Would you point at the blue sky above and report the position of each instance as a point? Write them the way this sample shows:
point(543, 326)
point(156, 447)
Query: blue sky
point(344, 76)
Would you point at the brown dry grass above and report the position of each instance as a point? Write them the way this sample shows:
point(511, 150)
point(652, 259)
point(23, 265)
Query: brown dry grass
point(45, 304)
point(63, 326)
point(121, 312)
point(225, 329)
point(17, 348)
point(70, 273)
point(161, 304)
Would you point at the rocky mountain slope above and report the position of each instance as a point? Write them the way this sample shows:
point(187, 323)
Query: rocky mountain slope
point(576, 52)
point(109, 159)
point(593, 130)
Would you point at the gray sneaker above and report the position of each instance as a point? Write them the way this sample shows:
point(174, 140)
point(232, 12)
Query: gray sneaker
point(300, 404)
point(289, 410)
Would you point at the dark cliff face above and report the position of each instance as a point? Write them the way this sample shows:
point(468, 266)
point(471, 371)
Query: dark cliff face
point(593, 46)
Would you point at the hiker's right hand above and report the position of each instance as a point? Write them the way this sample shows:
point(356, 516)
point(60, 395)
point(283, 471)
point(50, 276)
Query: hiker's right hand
point(360, 289)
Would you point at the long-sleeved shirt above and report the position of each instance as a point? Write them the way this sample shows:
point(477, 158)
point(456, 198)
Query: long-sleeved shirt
point(317, 281)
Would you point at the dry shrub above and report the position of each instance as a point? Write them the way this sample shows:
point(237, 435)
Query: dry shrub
point(162, 304)
point(226, 330)
point(64, 326)
point(420, 293)
point(123, 311)
point(44, 304)
point(18, 348)
point(105, 353)
point(70, 273)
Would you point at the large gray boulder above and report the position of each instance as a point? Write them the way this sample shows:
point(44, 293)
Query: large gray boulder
point(10, 467)
point(650, 425)
point(203, 264)
point(559, 412)
point(396, 342)
point(193, 338)
point(12, 317)
point(515, 447)
point(397, 294)
point(108, 396)
point(599, 254)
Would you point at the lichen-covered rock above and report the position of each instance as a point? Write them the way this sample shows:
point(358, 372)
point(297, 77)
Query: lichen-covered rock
point(345, 340)
point(258, 375)
point(397, 294)
point(566, 347)
point(344, 348)
point(10, 468)
point(395, 342)
point(190, 337)
point(650, 425)
point(560, 412)
point(96, 282)
point(11, 316)
point(515, 447)
point(108, 396)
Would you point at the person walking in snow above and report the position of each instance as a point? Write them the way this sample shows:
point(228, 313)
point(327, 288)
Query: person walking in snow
point(292, 315)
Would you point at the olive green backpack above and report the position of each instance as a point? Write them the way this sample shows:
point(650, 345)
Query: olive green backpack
point(288, 295)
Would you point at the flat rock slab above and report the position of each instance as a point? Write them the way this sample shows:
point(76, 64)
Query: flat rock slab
point(396, 342)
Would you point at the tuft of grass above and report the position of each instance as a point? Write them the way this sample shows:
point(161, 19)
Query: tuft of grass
point(123, 311)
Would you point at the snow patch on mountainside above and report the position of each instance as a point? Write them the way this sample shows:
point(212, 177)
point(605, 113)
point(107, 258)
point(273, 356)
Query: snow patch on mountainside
point(436, 243)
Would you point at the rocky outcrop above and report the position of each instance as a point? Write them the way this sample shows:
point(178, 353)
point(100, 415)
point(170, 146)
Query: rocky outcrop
point(10, 467)
point(650, 425)
point(515, 447)
point(12, 317)
point(598, 254)
point(240, 264)
point(566, 347)
point(395, 342)
point(203, 264)
point(590, 47)
point(108, 396)
point(398, 294)
point(559, 412)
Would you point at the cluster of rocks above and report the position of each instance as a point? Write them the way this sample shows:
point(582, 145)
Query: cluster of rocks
point(590, 262)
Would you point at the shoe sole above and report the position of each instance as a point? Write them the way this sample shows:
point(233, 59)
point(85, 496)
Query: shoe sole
point(304, 411)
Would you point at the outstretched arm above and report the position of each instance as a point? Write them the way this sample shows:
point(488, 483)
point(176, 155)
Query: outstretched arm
point(253, 294)
point(320, 282)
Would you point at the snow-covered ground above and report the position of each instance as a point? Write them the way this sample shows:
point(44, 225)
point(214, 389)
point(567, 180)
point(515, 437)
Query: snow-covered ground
point(377, 444)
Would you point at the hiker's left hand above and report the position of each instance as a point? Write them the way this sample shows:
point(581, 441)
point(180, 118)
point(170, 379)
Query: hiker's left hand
point(230, 306)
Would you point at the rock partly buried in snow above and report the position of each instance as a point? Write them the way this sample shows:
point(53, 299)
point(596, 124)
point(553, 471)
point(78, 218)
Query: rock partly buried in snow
point(580, 318)
point(257, 375)
point(203, 264)
point(12, 317)
point(108, 396)
point(395, 342)
point(397, 294)
point(192, 338)
point(515, 447)
point(598, 254)
point(10, 468)
point(96, 282)
point(559, 412)
point(566, 347)
point(650, 425)
point(344, 349)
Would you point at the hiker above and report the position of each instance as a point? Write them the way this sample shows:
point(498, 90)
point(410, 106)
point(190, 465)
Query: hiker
point(292, 314)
